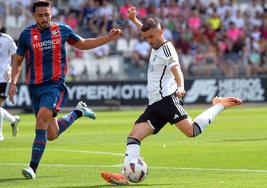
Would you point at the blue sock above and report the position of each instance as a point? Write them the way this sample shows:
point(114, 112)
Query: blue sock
point(38, 147)
point(67, 120)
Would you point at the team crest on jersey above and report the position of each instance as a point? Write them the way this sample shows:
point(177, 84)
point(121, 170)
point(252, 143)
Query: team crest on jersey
point(55, 33)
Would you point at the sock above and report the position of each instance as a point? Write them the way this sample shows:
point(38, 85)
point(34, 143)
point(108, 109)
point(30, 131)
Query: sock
point(67, 120)
point(8, 116)
point(38, 148)
point(1, 121)
point(205, 118)
point(132, 149)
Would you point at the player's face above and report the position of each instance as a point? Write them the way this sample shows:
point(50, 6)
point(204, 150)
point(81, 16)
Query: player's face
point(42, 17)
point(154, 37)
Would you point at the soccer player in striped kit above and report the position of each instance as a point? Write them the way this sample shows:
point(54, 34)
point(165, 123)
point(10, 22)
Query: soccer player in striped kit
point(43, 45)
point(165, 90)
point(7, 53)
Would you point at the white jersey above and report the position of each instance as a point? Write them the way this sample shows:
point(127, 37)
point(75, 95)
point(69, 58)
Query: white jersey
point(161, 81)
point(7, 48)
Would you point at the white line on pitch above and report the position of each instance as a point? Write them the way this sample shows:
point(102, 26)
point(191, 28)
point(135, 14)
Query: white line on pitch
point(67, 150)
point(151, 167)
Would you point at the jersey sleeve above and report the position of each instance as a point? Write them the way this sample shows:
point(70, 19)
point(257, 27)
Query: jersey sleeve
point(22, 47)
point(72, 36)
point(170, 55)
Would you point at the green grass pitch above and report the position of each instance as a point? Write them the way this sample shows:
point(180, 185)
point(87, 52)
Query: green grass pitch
point(231, 153)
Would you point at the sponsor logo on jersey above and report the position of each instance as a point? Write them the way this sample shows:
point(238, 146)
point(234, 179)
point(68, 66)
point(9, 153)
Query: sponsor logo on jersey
point(47, 44)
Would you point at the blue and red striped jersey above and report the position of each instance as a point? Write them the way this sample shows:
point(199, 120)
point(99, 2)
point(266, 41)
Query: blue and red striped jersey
point(45, 51)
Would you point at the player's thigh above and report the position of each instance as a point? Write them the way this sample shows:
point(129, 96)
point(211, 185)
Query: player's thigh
point(151, 118)
point(141, 130)
point(52, 96)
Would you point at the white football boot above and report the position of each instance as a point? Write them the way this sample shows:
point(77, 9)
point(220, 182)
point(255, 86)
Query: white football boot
point(28, 173)
point(15, 125)
point(87, 112)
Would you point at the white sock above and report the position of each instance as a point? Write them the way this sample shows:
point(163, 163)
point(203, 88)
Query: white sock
point(8, 116)
point(206, 117)
point(132, 152)
point(1, 121)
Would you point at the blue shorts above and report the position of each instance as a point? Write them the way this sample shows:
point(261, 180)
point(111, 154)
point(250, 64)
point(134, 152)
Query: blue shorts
point(52, 95)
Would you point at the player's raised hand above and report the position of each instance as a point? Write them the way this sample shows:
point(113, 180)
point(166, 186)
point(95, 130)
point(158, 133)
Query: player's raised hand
point(12, 92)
point(115, 33)
point(132, 13)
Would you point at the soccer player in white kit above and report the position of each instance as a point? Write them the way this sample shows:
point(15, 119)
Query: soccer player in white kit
point(165, 90)
point(7, 50)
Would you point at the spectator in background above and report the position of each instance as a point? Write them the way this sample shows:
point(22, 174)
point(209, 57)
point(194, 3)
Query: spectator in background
point(106, 16)
point(142, 11)
point(141, 52)
point(194, 21)
point(238, 19)
point(215, 21)
point(101, 51)
point(232, 7)
point(88, 16)
point(255, 60)
point(124, 9)
point(263, 29)
point(254, 8)
point(227, 19)
point(167, 32)
point(76, 6)
point(233, 33)
point(209, 33)
point(71, 20)
point(255, 33)
point(173, 9)
point(221, 9)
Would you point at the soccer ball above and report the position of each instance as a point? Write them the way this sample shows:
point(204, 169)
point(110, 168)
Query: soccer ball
point(136, 170)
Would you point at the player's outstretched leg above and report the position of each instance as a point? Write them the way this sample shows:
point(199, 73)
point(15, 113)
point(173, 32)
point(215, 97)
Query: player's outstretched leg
point(14, 125)
point(227, 102)
point(28, 173)
point(80, 110)
point(115, 178)
point(206, 117)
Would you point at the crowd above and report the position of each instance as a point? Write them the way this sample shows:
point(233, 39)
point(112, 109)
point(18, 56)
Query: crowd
point(212, 38)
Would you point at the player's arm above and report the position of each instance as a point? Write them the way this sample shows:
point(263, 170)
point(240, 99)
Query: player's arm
point(179, 78)
point(16, 69)
point(7, 75)
point(89, 43)
point(132, 17)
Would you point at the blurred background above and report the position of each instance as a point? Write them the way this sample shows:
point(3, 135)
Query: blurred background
point(221, 45)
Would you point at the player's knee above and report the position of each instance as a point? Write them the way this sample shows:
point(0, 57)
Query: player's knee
point(42, 122)
point(132, 140)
